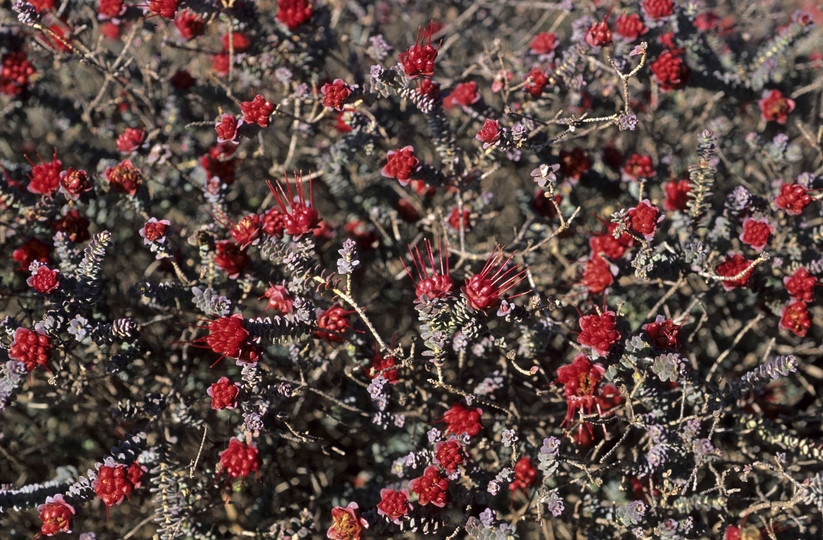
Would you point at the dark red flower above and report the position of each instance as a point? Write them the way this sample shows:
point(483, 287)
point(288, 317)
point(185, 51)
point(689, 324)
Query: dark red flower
point(793, 199)
point(484, 290)
point(16, 73)
point(401, 164)
point(536, 81)
point(30, 347)
point(462, 420)
point(239, 459)
point(124, 178)
point(800, 285)
point(346, 523)
point(299, 216)
point(154, 231)
point(677, 195)
point(733, 266)
point(574, 163)
point(429, 88)
point(333, 324)
point(394, 504)
point(662, 333)
point(598, 274)
point(581, 383)
point(45, 177)
point(227, 128)
point(630, 27)
point(223, 394)
point(489, 133)
point(431, 487)
point(670, 71)
point(464, 94)
point(73, 225)
point(220, 64)
point(542, 204)
point(543, 43)
point(109, 9)
point(643, 219)
point(335, 94)
point(658, 9)
point(599, 332)
point(638, 166)
point(419, 58)
point(608, 245)
point(73, 182)
point(130, 140)
point(257, 111)
point(294, 13)
point(56, 515)
point(31, 250)
point(279, 299)
point(44, 280)
point(756, 234)
point(454, 220)
point(381, 366)
point(112, 484)
point(231, 258)
point(796, 318)
point(774, 107)
point(449, 455)
point(434, 285)
point(165, 8)
point(525, 475)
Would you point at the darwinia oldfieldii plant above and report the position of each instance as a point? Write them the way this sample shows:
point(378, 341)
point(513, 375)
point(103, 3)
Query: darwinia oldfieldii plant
point(304, 269)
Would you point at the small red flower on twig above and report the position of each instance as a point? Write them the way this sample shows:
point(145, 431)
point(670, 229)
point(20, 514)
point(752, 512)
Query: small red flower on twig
point(431, 487)
point(257, 111)
point(598, 274)
point(299, 216)
point(57, 516)
point(419, 58)
point(333, 324)
point(734, 265)
point(599, 331)
point(449, 455)
point(484, 290)
point(45, 177)
point(796, 318)
point(335, 94)
point(677, 195)
point(434, 285)
point(462, 420)
point(401, 164)
point(800, 285)
point(346, 523)
point(774, 107)
point(223, 394)
point(231, 258)
point(44, 280)
point(394, 504)
point(756, 234)
point(793, 199)
point(239, 459)
point(643, 219)
point(670, 71)
point(125, 177)
point(662, 333)
point(525, 475)
point(30, 347)
point(279, 299)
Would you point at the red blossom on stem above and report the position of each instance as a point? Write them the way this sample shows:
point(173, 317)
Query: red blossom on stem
point(599, 331)
point(238, 41)
point(335, 94)
point(795, 318)
point(543, 43)
point(434, 285)
point(73, 225)
point(598, 274)
point(294, 13)
point(299, 217)
point(525, 475)
point(30, 347)
point(333, 324)
point(231, 258)
point(677, 194)
point(670, 71)
point(630, 27)
point(189, 24)
point(484, 290)
point(662, 333)
point(643, 219)
point(793, 199)
point(449, 455)
point(599, 35)
point(346, 523)
point(574, 163)
point(165, 8)
point(257, 111)
point(56, 514)
point(74, 182)
point(31, 250)
point(733, 266)
point(638, 166)
point(464, 94)
point(431, 487)
point(114, 483)
point(419, 58)
point(228, 337)
point(536, 82)
point(756, 234)
point(223, 394)
point(16, 73)
point(394, 504)
point(774, 107)
point(489, 133)
point(130, 140)
point(658, 9)
point(581, 383)
point(45, 177)
point(44, 280)
point(273, 222)
point(239, 459)
point(227, 128)
point(279, 299)
point(462, 420)
point(800, 285)
point(380, 366)
point(125, 177)
point(401, 164)
point(608, 245)
point(454, 220)
point(109, 9)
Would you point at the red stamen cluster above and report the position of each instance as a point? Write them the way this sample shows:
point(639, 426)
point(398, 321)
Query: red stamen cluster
point(643, 219)
point(662, 333)
point(125, 177)
point(293, 13)
point(333, 324)
point(298, 217)
point(228, 337)
point(431, 487)
point(44, 280)
point(257, 111)
point(394, 504)
point(239, 459)
point(800, 285)
point(73, 182)
point(346, 523)
point(525, 475)
point(419, 59)
point(482, 291)
point(401, 164)
point(449, 455)
point(30, 347)
point(114, 482)
point(436, 285)
point(581, 384)
point(335, 94)
point(793, 199)
point(130, 140)
point(775, 108)
point(45, 177)
point(732, 266)
point(462, 420)
point(756, 234)
point(56, 515)
point(223, 394)
point(16, 73)
point(599, 332)
point(796, 318)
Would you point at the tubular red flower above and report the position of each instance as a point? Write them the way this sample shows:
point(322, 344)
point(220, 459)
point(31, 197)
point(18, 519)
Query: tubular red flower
point(401, 164)
point(335, 94)
point(756, 234)
point(484, 291)
point(56, 514)
point(299, 217)
point(430, 488)
point(223, 394)
point(419, 58)
point(662, 333)
point(732, 266)
point(438, 284)
point(793, 199)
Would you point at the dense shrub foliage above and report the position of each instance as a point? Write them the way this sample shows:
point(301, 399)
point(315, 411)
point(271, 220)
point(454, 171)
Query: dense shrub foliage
point(484, 269)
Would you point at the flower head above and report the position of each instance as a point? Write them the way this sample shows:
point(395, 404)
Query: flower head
point(30, 347)
point(257, 111)
point(670, 71)
point(419, 58)
point(401, 164)
point(227, 128)
point(435, 284)
point(599, 331)
point(630, 27)
point(113, 483)
point(394, 504)
point(662, 333)
point(279, 299)
point(677, 194)
point(44, 280)
point(125, 177)
point(130, 140)
point(525, 475)
point(335, 94)
point(793, 199)
point(154, 231)
point(638, 166)
point(543, 43)
point(774, 107)
point(239, 459)
point(734, 265)
point(489, 133)
point(462, 420)
point(346, 523)
point(294, 13)
point(598, 274)
point(536, 82)
point(333, 324)
point(795, 318)
point(56, 515)
point(484, 290)
point(299, 216)
point(231, 258)
point(800, 285)
point(658, 9)
point(45, 177)
point(431, 487)
point(223, 394)
point(643, 219)
point(464, 94)
point(73, 182)
point(449, 455)
point(756, 234)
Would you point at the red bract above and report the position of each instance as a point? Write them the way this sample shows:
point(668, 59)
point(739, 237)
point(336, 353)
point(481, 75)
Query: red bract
point(279, 299)
point(638, 166)
point(489, 133)
point(239, 459)
point(293, 13)
point(274, 223)
point(756, 233)
point(401, 164)
point(463, 94)
point(774, 107)
point(231, 258)
point(800, 285)
point(677, 195)
point(346, 523)
point(431, 487)
point(31, 250)
point(257, 111)
point(599, 35)
point(223, 394)
point(165, 8)
point(599, 332)
point(462, 420)
point(73, 225)
point(543, 43)
point(419, 59)
point(734, 265)
point(335, 94)
point(30, 347)
point(630, 27)
point(525, 475)
point(227, 128)
point(658, 9)
point(643, 219)
point(662, 333)
point(124, 178)
point(608, 245)
point(44, 280)
point(434, 285)
point(302, 217)
point(796, 318)
point(483, 291)
point(73, 182)
point(573, 163)
point(189, 24)
point(45, 177)
point(247, 231)
point(333, 324)
point(670, 71)
point(394, 504)
point(536, 81)
point(449, 455)
point(130, 140)
point(112, 484)
point(16, 73)
point(56, 515)
point(793, 199)
point(598, 274)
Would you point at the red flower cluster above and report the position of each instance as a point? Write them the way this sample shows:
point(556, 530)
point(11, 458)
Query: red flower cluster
point(73, 225)
point(299, 217)
point(643, 219)
point(294, 13)
point(16, 73)
point(124, 178)
point(401, 164)
point(536, 82)
point(56, 515)
point(463, 94)
point(231, 258)
point(227, 128)
point(333, 324)
point(394, 504)
point(658, 9)
point(109, 9)
point(462, 420)
point(218, 162)
point(605, 243)
point(73, 182)
point(449, 455)
point(274, 223)
point(793, 199)
point(670, 71)
point(239, 459)
point(335, 94)
point(774, 107)
point(378, 364)
point(257, 111)
point(638, 166)
point(279, 299)
point(45, 177)
point(581, 386)
point(165, 8)
point(483, 291)
point(346, 523)
point(525, 475)
point(130, 140)
point(30, 347)
point(543, 43)
point(598, 274)
point(662, 333)
point(489, 133)
point(800, 285)
point(436, 285)
point(677, 195)
point(223, 394)
point(44, 280)
point(419, 59)
point(599, 35)
point(237, 41)
point(732, 266)
point(796, 318)
point(630, 27)
point(454, 220)
point(114, 482)
point(599, 332)
point(431, 487)
point(189, 24)
point(756, 234)
point(31, 250)
point(228, 337)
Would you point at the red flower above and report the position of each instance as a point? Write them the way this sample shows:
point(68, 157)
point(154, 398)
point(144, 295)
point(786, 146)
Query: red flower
point(599, 332)
point(574, 163)
point(489, 133)
point(429, 88)
point(130, 140)
point(630, 27)
point(542, 204)
point(239, 41)
point(800, 285)
point(124, 178)
point(543, 43)
point(30, 347)
point(774, 107)
point(677, 195)
point(300, 218)
point(608, 245)
point(581, 384)
point(462, 420)
point(795, 317)
point(31, 250)
point(599, 35)
point(165, 8)
point(112, 483)
point(346, 523)
point(638, 166)
point(670, 71)
point(793, 199)
point(73, 225)
point(110, 30)
point(274, 223)
point(598, 274)
point(536, 81)
point(227, 336)
point(454, 220)
point(154, 231)
point(380, 365)
point(220, 64)
point(56, 515)
point(16, 73)
point(732, 266)
point(239, 459)
point(449, 454)
point(73, 182)
point(436, 285)
point(401, 164)
point(247, 231)
point(333, 324)
point(658, 9)
point(43, 280)
point(293, 13)
point(643, 219)
point(45, 177)
point(335, 94)
point(431, 487)
point(756, 234)
point(227, 129)
point(223, 394)
point(419, 59)
point(484, 292)
point(231, 258)
point(279, 299)
point(257, 111)
point(525, 475)
point(464, 94)
point(110, 9)
point(394, 504)
point(662, 333)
